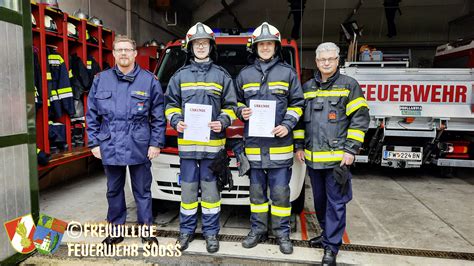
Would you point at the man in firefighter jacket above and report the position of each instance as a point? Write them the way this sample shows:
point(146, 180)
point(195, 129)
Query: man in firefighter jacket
point(126, 127)
point(270, 78)
point(200, 82)
point(336, 117)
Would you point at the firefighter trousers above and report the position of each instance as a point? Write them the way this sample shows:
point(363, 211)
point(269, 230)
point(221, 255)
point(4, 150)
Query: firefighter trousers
point(195, 175)
point(140, 177)
point(330, 206)
point(278, 179)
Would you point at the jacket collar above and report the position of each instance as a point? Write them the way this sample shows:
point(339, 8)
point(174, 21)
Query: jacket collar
point(331, 79)
point(130, 77)
point(263, 66)
point(204, 66)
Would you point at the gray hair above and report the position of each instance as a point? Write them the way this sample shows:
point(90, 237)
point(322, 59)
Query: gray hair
point(327, 47)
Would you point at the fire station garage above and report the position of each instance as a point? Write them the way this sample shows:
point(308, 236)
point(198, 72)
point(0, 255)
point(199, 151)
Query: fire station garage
point(322, 132)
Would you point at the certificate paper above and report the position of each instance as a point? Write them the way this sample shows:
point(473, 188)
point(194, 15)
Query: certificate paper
point(262, 120)
point(197, 118)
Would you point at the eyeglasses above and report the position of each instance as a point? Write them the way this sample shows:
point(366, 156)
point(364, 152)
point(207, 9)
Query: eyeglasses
point(329, 60)
point(125, 50)
point(202, 44)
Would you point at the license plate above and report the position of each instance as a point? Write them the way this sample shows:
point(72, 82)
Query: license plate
point(402, 155)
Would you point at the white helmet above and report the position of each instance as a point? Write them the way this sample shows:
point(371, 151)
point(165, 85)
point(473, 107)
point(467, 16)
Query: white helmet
point(33, 20)
point(266, 32)
point(72, 30)
point(199, 31)
point(50, 24)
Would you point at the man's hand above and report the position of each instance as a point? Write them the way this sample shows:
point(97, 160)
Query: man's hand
point(96, 152)
point(180, 126)
point(216, 126)
point(347, 159)
point(300, 155)
point(153, 152)
point(246, 113)
point(280, 131)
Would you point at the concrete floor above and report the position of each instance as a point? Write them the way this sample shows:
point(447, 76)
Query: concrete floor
point(394, 208)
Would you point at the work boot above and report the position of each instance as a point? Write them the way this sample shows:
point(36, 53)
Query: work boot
point(316, 242)
point(150, 240)
point(253, 239)
point(286, 247)
point(329, 258)
point(184, 240)
point(212, 244)
point(112, 240)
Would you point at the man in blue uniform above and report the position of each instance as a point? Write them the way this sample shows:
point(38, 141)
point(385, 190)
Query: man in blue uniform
point(126, 127)
point(200, 82)
point(336, 117)
point(269, 78)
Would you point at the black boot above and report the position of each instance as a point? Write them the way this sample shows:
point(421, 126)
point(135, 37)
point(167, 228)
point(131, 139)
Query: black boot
point(286, 247)
point(253, 239)
point(150, 240)
point(329, 258)
point(212, 244)
point(316, 242)
point(184, 240)
point(112, 240)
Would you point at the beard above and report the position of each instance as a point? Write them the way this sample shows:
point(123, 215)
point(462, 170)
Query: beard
point(124, 62)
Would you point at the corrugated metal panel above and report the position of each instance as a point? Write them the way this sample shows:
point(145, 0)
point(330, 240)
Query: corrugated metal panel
point(12, 80)
point(14, 190)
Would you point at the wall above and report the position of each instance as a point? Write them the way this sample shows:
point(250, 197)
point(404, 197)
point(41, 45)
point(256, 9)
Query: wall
point(146, 23)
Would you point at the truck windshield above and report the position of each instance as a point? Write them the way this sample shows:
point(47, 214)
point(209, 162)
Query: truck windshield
point(231, 57)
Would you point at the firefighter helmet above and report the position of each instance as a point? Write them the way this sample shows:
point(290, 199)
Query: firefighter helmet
point(51, 3)
point(50, 24)
point(265, 32)
point(72, 30)
point(96, 21)
point(80, 14)
point(199, 31)
point(33, 20)
point(153, 42)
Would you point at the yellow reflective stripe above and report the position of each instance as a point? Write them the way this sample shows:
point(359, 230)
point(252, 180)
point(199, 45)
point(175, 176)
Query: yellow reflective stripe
point(355, 104)
point(37, 150)
point(56, 57)
point(276, 83)
point(173, 110)
point(64, 90)
point(356, 134)
point(253, 151)
point(70, 73)
point(210, 205)
point(281, 211)
point(297, 110)
point(255, 84)
point(259, 208)
point(230, 113)
point(298, 134)
point(239, 104)
point(54, 93)
point(212, 142)
point(308, 95)
point(48, 76)
point(89, 62)
point(189, 206)
point(285, 149)
point(323, 156)
point(332, 93)
point(193, 84)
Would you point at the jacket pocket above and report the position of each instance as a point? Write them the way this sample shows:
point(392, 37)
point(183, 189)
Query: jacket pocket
point(102, 136)
point(139, 104)
point(104, 103)
point(141, 132)
point(249, 94)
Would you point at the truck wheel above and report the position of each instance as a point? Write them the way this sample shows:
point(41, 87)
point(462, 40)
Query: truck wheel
point(297, 205)
point(162, 206)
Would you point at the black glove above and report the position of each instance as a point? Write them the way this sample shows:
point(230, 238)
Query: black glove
point(220, 168)
point(342, 175)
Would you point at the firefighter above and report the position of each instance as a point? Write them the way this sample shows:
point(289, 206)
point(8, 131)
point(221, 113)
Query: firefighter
point(336, 117)
point(270, 78)
point(200, 81)
point(126, 127)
